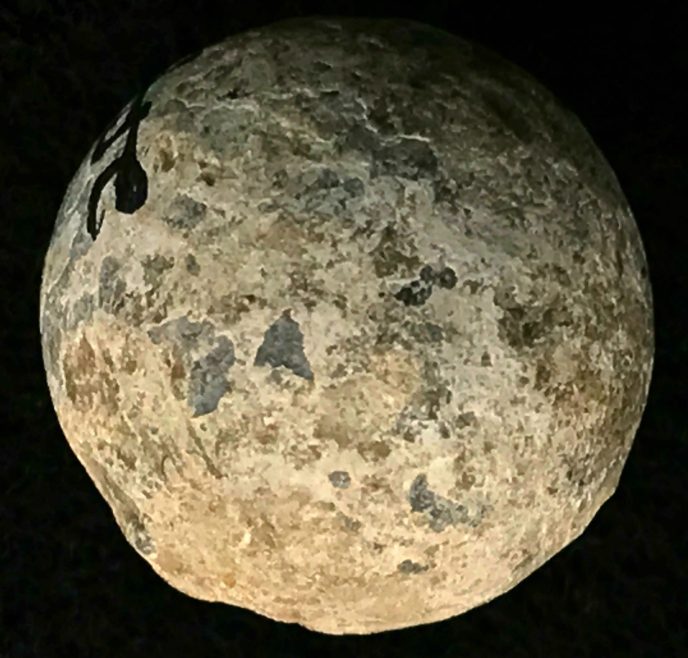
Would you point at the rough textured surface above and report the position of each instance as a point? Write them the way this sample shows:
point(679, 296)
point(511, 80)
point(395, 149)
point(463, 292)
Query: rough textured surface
point(349, 321)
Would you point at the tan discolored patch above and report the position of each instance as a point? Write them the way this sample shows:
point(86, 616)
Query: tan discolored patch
point(88, 380)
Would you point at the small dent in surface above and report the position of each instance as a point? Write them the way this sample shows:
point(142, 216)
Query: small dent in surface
point(283, 346)
point(465, 419)
point(340, 479)
point(350, 524)
point(411, 567)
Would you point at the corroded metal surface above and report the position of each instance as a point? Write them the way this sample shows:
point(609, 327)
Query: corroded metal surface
point(350, 323)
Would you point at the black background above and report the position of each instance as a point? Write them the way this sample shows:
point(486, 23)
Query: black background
point(70, 585)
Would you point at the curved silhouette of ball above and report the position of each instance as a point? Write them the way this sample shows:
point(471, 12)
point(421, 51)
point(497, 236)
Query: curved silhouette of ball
point(350, 323)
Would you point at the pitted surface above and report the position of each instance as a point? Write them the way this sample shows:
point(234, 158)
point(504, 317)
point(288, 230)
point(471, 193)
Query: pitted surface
point(359, 331)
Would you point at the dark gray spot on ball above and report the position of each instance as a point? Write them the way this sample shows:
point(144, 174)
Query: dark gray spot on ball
point(192, 266)
point(415, 293)
point(340, 479)
point(208, 379)
point(441, 512)
point(447, 278)
point(420, 497)
point(353, 186)
point(283, 346)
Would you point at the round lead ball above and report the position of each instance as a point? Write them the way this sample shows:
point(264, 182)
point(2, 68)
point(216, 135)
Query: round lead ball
point(349, 322)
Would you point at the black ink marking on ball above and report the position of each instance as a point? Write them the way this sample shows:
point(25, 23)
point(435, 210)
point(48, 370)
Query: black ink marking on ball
point(283, 346)
point(131, 181)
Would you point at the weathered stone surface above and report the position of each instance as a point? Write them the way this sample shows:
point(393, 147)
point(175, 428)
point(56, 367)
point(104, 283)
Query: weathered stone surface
point(350, 323)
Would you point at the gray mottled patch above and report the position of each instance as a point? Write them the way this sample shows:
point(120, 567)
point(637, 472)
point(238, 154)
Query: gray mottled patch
point(351, 524)
point(186, 213)
point(189, 335)
point(509, 114)
point(283, 346)
point(135, 531)
point(440, 511)
point(111, 287)
point(154, 267)
point(192, 266)
point(80, 311)
point(426, 332)
point(208, 379)
point(411, 567)
point(387, 257)
point(81, 243)
point(523, 326)
point(129, 519)
point(51, 340)
point(340, 479)
point(360, 138)
point(327, 187)
point(320, 190)
point(409, 158)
